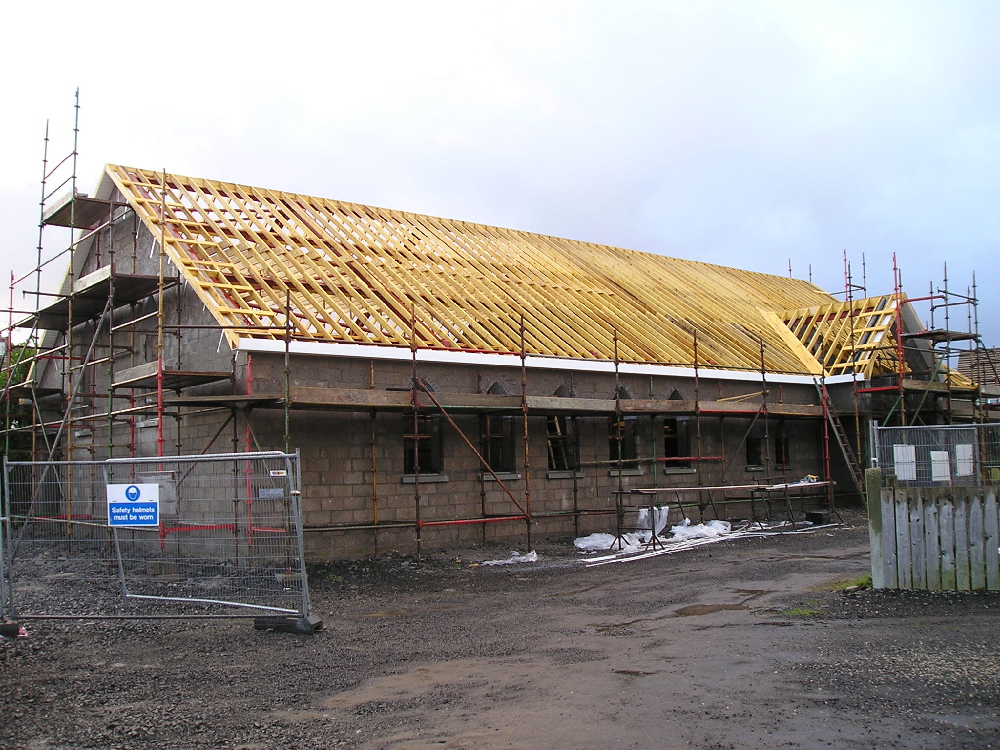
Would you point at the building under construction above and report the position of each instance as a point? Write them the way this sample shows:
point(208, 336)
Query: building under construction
point(448, 382)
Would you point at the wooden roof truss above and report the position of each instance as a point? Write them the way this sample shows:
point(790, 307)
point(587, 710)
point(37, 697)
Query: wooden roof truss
point(341, 272)
point(855, 336)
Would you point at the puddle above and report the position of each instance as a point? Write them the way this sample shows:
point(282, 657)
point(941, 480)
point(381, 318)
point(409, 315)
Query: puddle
point(633, 673)
point(963, 721)
point(694, 610)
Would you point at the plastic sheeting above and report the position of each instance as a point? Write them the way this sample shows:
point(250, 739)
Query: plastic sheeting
point(515, 557)
point(633, 541)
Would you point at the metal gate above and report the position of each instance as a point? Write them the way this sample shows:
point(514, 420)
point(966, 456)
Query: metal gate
point(186, 536)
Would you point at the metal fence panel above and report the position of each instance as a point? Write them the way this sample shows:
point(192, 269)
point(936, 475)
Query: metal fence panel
point(227, 540)
point(940, 455)
point(4, 528)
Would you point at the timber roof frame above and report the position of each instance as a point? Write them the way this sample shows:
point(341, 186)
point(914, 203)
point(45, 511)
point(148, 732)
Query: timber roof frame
point(266, 263)
point(850, 336)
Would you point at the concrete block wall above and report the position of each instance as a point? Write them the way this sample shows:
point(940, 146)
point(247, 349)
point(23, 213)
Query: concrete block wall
point(338, 472)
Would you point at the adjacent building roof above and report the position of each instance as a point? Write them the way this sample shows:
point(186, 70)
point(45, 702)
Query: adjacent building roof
point(980, 365)
point(345, 273)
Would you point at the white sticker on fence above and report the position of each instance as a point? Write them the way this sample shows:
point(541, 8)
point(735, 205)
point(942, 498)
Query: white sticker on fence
point(964, 464)
point(940, 466)
point(133, 505)
point(905, 459)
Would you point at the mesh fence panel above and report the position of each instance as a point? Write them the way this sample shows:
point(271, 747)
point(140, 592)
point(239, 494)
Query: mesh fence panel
point(940, 455)
point(227, 541)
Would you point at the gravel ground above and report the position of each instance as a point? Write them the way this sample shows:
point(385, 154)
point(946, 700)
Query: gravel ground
point(741, 644)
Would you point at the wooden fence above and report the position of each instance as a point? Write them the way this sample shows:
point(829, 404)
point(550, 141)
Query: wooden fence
point(933, 538)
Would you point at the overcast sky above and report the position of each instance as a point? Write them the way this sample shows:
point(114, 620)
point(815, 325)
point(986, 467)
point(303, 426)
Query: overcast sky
point(746, 133)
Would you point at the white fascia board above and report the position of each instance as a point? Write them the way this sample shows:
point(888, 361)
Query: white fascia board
point(438, 356)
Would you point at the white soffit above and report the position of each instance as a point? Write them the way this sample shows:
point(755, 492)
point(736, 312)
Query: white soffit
point(364, 351)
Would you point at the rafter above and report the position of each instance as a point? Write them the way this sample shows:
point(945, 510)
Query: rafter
point(355, 274)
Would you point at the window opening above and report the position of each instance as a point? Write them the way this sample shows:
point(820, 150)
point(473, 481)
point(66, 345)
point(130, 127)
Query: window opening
point(781, 446)
point(625, 449)
point(429, 452)
point(498, 443)
point(755, 446)
point(677, 443)
point(562, 443)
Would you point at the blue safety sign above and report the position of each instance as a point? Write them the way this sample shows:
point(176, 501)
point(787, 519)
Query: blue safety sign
point(134, 505)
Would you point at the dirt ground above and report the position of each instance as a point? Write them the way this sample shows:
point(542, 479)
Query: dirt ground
point(740, 644)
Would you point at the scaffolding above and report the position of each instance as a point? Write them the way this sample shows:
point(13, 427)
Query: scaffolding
point(87, 325)
point(114, 339)
point(910, 371)
point(927, 386)
point(419, 400)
